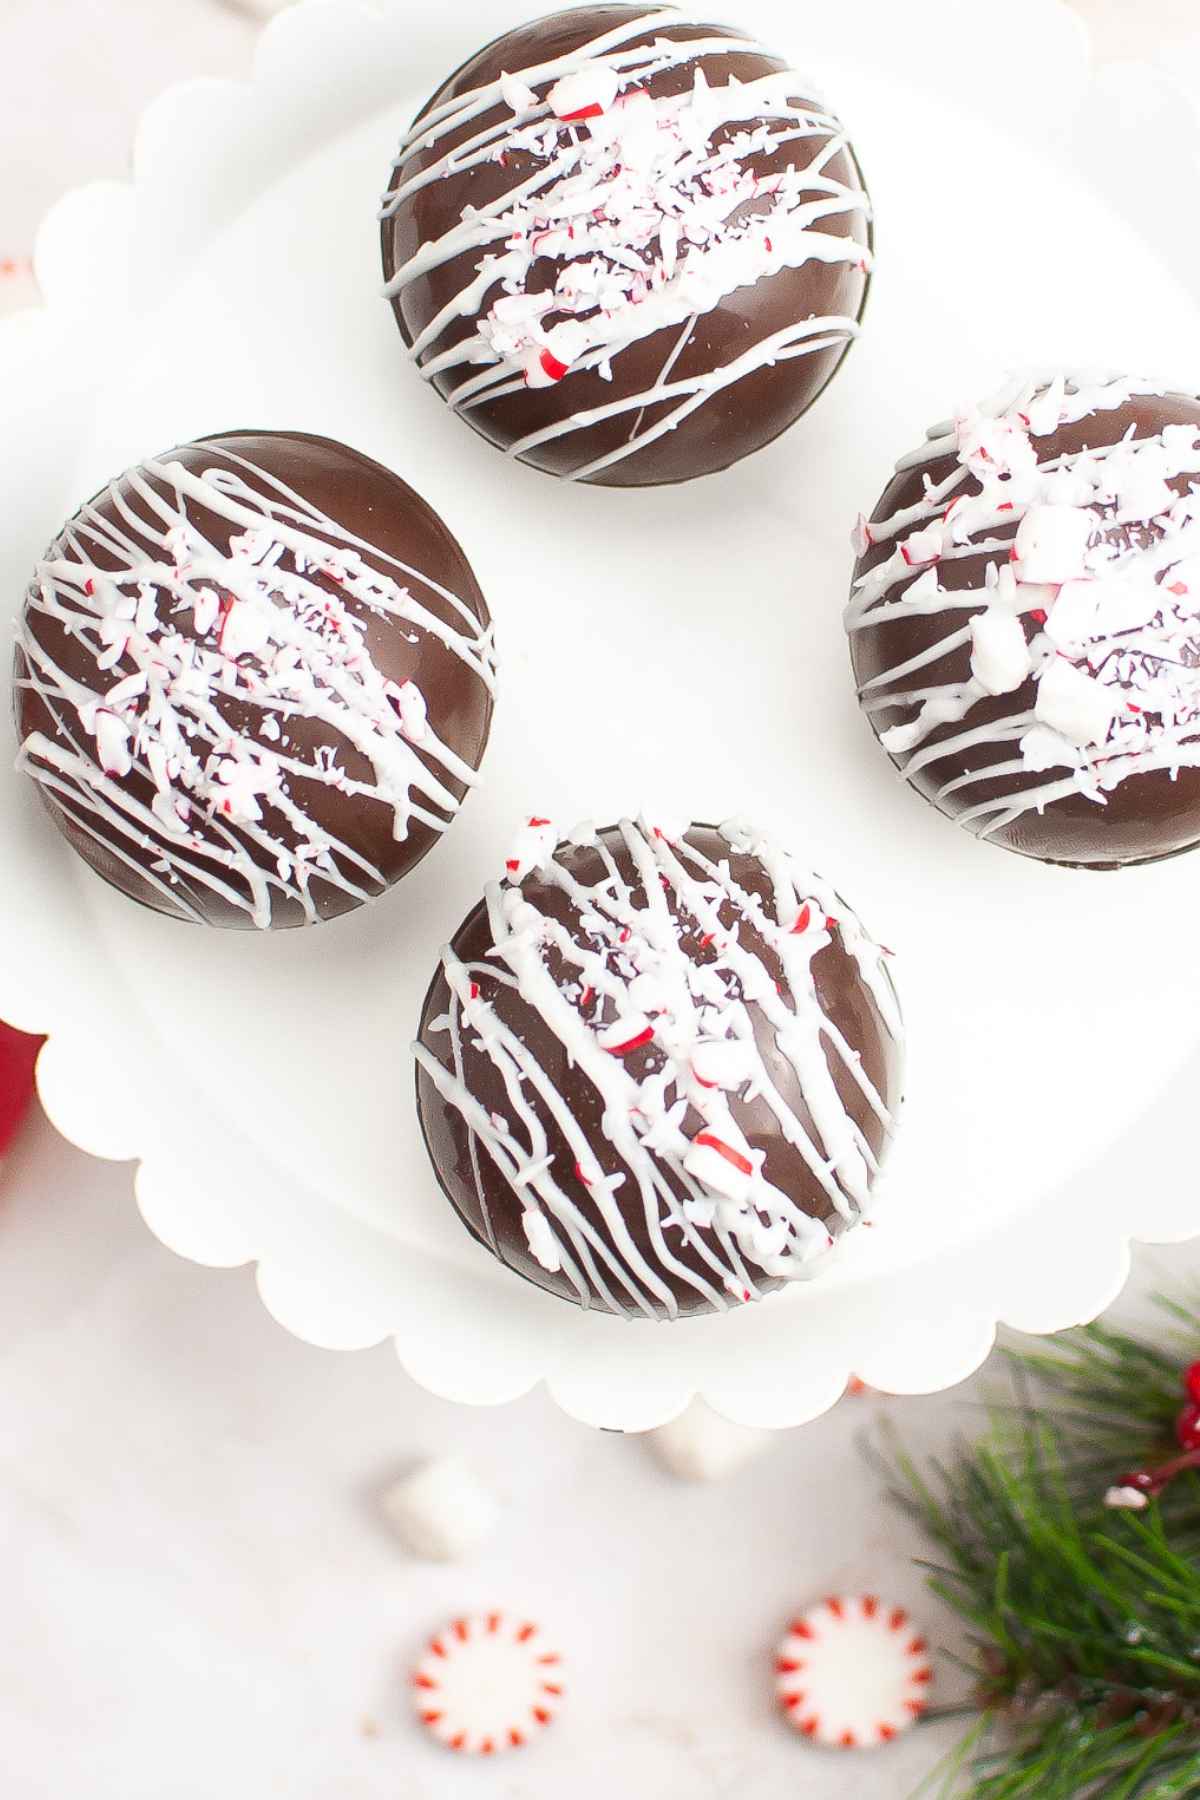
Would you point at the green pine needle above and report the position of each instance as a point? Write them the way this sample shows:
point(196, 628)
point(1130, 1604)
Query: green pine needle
point(1068, 1759)
point(1085, 1620)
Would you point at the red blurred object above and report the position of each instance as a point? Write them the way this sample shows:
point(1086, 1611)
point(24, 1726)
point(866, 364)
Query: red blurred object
point(1187, 1427)
point(18, 1055)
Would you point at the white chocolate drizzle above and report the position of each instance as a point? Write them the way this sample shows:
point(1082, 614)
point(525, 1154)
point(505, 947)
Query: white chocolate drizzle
point(1096, 600)
point(627, 980)
point(179, 631)
point(649, 206)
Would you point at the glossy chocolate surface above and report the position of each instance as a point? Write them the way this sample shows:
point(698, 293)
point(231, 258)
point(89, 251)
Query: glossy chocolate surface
point(735, 419)
point(331, 791)
point(482, 1196)
point(1148, 816)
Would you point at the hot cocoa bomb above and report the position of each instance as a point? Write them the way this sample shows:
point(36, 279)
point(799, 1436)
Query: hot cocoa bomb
point(1025, 623)
point(254, 680)
point(659, 1067)
point(626, 247)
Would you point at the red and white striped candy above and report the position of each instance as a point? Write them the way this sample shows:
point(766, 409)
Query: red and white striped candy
point(534, 843)
point(586, 93)
point(487, 1683)
point(921, 548)
point(629, 1032)
point(853, 1673)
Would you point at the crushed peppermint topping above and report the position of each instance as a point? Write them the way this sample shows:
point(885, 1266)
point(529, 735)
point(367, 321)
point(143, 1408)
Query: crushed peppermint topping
point(648, 209)
point(620, 978)
point(1105, 567)
point(271, 625)
point(533, 846)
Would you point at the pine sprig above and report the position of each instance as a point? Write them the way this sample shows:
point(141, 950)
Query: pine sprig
point(1069, 1759)
point(1085, 1621)
point(1115, 1400)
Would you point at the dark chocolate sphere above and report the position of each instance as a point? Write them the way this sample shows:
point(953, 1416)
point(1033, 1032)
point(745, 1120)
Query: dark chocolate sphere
point(626, 247)
point(1025, 625)
point(254, 680)
point(658, 1068)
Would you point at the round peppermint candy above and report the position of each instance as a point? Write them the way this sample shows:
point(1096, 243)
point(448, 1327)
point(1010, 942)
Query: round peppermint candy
point(853, 1673)
point(487, 1683)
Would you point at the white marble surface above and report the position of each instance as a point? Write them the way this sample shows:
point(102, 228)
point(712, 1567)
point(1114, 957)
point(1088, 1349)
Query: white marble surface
point(199, 1599)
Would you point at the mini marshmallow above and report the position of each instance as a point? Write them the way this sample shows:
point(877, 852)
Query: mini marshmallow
point(1000, 659)
point(1074, 704)
point(441, 1511)
point(1052, 543)
point(702, 1446)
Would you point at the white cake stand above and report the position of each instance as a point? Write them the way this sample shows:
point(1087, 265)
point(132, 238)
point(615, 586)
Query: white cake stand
point(264, 1086)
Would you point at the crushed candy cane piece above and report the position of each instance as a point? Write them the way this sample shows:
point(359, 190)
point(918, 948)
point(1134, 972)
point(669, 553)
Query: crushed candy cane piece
point(585, 94)
point(922, 548)
point(533, 845)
